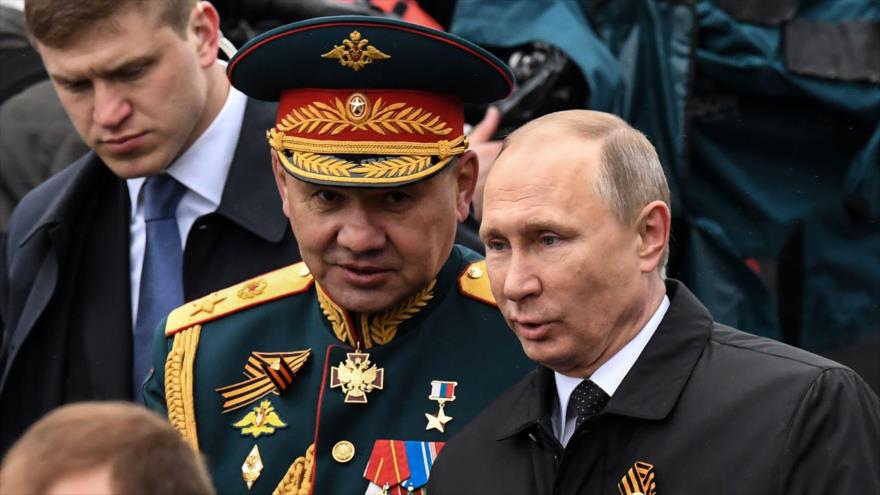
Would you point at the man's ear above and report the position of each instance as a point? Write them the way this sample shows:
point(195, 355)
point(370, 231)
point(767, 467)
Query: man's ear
point(466, 172)
point(204, 26)
point(653, 225)
point(280, 181)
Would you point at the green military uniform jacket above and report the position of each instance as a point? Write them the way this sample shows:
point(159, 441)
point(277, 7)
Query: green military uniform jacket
point(282, 355)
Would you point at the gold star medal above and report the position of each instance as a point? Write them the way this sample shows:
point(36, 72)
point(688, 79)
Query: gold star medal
point(441, 391)
point(357, 377)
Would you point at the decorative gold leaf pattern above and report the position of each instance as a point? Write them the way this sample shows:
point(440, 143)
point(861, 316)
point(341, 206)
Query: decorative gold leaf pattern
point(323, 164)
point(336, 317)
point(394, 167)
point(384, 326)
point(322, 118)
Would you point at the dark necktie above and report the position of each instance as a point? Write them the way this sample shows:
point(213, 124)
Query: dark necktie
point(161, 278)
point(587, 399)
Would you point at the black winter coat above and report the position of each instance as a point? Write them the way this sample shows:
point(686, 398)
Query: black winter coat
point(705, 409)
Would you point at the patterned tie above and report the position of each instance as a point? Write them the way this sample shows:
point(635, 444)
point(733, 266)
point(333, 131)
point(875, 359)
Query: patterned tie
point(161, 277)
point(587, 399)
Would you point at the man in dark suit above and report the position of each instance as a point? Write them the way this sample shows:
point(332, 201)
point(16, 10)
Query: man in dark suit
point(88, 266)
point(639, 391)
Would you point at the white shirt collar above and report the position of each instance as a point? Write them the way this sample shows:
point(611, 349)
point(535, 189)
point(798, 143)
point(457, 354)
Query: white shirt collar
point(608, 376)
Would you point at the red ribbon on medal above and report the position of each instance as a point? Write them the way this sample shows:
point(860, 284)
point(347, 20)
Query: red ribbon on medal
point(387, 466)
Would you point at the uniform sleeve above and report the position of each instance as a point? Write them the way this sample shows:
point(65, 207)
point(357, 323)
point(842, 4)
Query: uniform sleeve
point(154, 387)
point(833, 442)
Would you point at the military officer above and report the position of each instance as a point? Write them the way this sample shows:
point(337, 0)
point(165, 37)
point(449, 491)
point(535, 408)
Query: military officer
point(346, 373)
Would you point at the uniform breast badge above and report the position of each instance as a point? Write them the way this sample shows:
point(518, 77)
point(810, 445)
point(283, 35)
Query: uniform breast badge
point(400, 467)
point(252, 467)
point(441, 391)
point(638, 480)
point(267, 372)
point(357, 377)
point(263, 420)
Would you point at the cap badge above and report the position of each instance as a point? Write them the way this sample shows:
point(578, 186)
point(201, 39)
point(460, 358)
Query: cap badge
point(358, 107)
point(355, 52)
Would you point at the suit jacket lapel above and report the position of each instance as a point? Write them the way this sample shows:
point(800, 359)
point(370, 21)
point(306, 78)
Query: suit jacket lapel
point(250, 197)
point(104, 306)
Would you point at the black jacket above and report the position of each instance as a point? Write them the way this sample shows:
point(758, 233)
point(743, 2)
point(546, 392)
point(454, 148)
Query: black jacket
point(710, 409)
point(65, 309)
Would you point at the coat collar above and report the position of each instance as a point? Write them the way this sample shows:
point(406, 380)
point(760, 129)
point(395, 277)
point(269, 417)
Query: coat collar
point(250, 198)
point(654, 383)
point(79, 178)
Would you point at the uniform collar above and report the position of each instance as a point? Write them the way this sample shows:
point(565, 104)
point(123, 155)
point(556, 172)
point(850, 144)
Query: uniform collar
point(373, 329)
point(651, 387)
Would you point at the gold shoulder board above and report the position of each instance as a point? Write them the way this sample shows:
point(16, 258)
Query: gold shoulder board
point(283, 282)
point(474, 283)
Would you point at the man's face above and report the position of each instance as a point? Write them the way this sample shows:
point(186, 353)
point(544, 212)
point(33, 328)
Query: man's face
point(370, 248)
point(134, 89)
point(563, 269)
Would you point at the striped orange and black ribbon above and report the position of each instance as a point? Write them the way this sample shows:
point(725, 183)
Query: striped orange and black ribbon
point(267, 372)
point(639, 479)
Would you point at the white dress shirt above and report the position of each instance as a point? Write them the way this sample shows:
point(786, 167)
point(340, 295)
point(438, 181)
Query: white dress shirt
point(202, 169)
point(607, 377)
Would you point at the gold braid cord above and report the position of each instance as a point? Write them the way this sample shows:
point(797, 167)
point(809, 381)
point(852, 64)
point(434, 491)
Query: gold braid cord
point(378, 328)
point(322, 118)
point(298, 479)
point(336, 316)
point(179, 384)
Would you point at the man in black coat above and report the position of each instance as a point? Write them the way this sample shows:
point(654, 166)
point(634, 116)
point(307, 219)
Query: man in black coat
point(143, 88)
point(639, 390)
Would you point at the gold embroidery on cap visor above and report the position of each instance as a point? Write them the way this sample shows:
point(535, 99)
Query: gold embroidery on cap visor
point(396, 162)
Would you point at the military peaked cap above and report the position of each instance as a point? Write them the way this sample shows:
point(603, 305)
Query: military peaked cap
point(367, 101)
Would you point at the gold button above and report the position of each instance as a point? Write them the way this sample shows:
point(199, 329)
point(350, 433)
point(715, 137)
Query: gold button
point(303, 271)
point(474, 272)
point(343, 451)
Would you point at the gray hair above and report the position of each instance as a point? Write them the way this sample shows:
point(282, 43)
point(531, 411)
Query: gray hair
point(630, 175)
